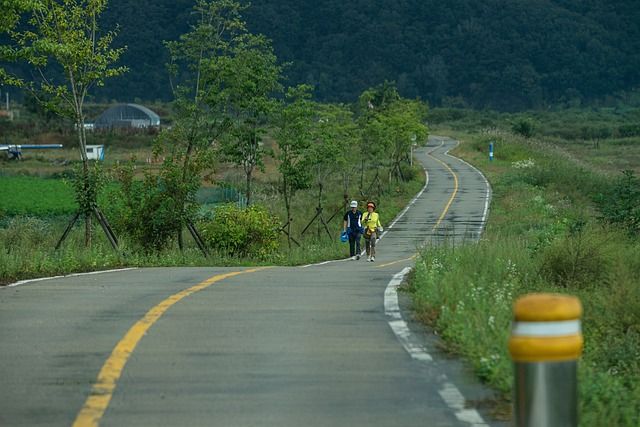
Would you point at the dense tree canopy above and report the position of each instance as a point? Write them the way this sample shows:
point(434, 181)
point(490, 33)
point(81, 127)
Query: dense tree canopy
point(506, 54)
point(496, 53)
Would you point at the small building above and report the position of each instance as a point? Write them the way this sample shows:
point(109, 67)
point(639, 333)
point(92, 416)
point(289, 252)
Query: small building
point(132, 116)
point(95, 152)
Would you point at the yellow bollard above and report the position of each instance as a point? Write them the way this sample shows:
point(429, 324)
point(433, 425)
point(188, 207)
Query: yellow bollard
point(545, 345)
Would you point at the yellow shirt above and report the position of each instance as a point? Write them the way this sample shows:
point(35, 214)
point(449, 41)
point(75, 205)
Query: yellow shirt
point(371, 220)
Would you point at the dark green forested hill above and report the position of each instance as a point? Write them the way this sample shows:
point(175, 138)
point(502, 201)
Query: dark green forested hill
point(506, 54)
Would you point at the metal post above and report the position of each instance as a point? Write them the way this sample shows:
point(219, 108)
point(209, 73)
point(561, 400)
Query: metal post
point(414, 138)
point(491, 152)
point(545, 345)
point(411, 156)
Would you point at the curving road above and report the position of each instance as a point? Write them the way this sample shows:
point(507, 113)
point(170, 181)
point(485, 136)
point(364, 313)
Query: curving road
point(321, 345)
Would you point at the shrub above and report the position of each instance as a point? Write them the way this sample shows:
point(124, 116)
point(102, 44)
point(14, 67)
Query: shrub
point(146, 212)
point(577, 260)
point(250, 232)
point(408, 173)
point(621, 205)
point(623, 300)
point(627, 131)
point(590, 132)
point(24, 232)
point(523, 127)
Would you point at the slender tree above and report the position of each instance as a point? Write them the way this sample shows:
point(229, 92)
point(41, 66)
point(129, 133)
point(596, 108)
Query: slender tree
point(335, 140)
point(71, 55)
point(372, 103)
point(294, 136)
point(394, 130)
point(251, 78)
point(196, 76)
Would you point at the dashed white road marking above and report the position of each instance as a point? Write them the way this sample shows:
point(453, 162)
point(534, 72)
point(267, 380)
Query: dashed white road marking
point(449, 393)
point(89, 273)
point(456, 401)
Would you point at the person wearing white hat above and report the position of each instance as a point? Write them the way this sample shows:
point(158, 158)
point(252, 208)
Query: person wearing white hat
point(353, 227)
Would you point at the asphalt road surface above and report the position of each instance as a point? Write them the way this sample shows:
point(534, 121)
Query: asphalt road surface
point(322, 345)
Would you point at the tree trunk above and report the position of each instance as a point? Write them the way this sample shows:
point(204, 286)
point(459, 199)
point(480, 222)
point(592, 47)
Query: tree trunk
point(87, 230)
point(180, 201)
point(345, 193)
point(86, 181)
point(319, 206)
point(287, 207)
point(248, 186)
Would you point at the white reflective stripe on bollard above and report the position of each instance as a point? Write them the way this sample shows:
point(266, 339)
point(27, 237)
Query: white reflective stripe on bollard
point(546, 329)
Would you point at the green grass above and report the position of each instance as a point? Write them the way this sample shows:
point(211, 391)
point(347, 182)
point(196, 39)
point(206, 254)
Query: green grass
point(543, 235)
point(27, 195)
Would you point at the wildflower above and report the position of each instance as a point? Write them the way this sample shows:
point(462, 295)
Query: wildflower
point(524, 164)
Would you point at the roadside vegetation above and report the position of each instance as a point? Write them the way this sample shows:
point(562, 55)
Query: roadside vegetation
point(233, 124)
point(232, 234)
point(606, 139)
point(559, 222)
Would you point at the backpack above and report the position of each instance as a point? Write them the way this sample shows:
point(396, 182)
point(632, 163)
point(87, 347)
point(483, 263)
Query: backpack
point(367, 230)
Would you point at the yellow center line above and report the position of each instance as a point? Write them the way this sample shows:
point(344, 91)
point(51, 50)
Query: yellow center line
point(398, 261)
point(446, 208)
point(102, 391)
point(453, 195)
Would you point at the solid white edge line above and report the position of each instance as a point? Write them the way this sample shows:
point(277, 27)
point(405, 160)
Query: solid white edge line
point(397, 323)
point(487, 199)
point(88, 273)
point(546, 329)
point(449, 393)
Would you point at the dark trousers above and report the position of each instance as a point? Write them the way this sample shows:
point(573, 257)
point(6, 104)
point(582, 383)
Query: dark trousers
point(354, 244)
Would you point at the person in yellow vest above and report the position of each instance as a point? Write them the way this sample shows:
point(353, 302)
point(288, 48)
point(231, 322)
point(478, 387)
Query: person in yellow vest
point(372, 230)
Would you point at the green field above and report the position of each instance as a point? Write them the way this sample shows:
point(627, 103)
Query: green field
point(27, 195)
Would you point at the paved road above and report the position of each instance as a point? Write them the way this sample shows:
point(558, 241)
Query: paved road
point(280, 347)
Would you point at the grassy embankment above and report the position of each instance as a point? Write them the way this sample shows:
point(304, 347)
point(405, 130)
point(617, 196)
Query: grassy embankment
point(543, 235)
point(34, 212)
point(607, 139)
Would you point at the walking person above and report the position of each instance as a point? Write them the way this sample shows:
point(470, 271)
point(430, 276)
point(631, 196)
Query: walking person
point(353, 227)
point(372, 230)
